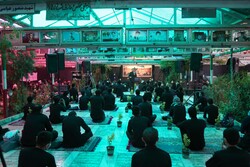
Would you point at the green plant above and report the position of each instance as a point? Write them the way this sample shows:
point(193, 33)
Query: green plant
point(186, 140)
point(169, 67)
point(120, 117)
point(217, 121)
point(111, 138)
point(43, 94)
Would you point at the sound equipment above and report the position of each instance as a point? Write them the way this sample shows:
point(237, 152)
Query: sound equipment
point(55, 62)
point(86, 66)
point(179, 66)
point(195, 62)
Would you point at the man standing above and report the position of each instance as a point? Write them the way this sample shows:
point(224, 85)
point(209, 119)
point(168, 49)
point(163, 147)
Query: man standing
point(71, 128)
point(37, 156)
point(132, 75)
point(194, 128)
point(151, 155)
point(232, 156)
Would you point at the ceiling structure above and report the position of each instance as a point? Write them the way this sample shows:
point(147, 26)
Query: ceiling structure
point(136, 14)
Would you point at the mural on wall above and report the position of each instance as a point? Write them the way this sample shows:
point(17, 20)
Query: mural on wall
point(141, 70)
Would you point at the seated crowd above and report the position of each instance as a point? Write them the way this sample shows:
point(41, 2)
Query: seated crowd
point(38, 132)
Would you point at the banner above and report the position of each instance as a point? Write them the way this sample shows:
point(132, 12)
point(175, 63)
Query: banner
point(68, 11)
point(17, 9)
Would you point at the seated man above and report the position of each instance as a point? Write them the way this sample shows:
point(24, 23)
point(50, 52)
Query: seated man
point(151, 155)
point(97, 104)
point(66, 99)
point(146, 109)
point(55, 110)
point(136, 100)
point(231, 156)
point(119, 89)
point(109, 100)
point(245, 129)
point(136, 125)
point(27, 108)
point(73, 93)
point(212, 112)
point(194, 128)
point(177, 111)
point(71, 128)
point(202, 102)
point(37, 156)
point(35, 123)
point(167, 97)
point(83, 102)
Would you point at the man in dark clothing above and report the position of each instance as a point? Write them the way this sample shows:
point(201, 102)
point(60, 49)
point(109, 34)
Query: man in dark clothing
point(146, 109)
point(194, 128)
point(73, 93)
point(71, 128)
point(136, 100)
point(158, 92)
point(119, 89)
point(83, 102)
point(66, 99)
point(177, 111)
point(167, 97)
point(245, 129)
point(55, 110)
point(148, 94)
point(231, 156)
point(35, 123)
point(37, 156)
point(136, 125)
point(151, 155)
point(109, 100)
point(132, 75)
point(212, 112)
point(27, 108)
point(97, 104)
point(202, 102)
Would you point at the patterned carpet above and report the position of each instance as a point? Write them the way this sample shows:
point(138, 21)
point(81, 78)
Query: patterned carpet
point(89, 121)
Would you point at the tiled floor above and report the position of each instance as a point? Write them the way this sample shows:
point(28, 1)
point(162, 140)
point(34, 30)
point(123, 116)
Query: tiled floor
point(121, 157)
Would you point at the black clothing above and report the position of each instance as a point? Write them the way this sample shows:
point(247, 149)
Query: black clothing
point(35, 123)
point(132, 75)
point(119, 89)
point(158, 93)
point(66, 100)
point(55, 113)
point(146, 110)
point(136, 126)
point(151, 156)
point(109, 101)
point(194, 128)
point(202, 101)
point(71, 128)
point(167, 97)
point(212, 112)
point(148, 95)
point(83, 103)
point(73, 93)
point(180, 94)
point(245, 142)
point(230, 157)
point(35, 157)
point(2, 132)
point(97, 104)
point(136, 100)
point(245, 125)
point(27, 109)
point(178, 113)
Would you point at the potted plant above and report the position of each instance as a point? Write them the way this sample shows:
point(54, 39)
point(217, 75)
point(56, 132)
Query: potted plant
point(119, 122)
point(158, 98)
point(170, 123)
point(129, 105)
point(217, 122)
point(110, 148)
point(162, 106)
point(185, 149)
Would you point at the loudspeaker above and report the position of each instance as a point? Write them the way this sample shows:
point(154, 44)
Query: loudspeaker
point(55, 62)
point(86, 66)
point(195, 62)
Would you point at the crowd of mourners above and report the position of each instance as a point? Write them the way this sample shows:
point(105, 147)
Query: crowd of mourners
point(38, 133)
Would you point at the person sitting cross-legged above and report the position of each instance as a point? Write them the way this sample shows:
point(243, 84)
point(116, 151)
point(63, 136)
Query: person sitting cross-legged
point(55, 116)
point(71, 128)
point(194, 128)
point(109, 100)
point(83, 101)
point(37, 156)
point(27, 108)
point(245, 129)
point(151, 155)
point(35, 123)
point(232, 155)
point(146, 109)
point(212, 111)
point(97, 102)
point(136, 125)
point(177, 111)
point(137, 99)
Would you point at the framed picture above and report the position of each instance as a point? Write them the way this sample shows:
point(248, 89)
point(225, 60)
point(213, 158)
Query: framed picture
point(137, 35)
point(91, 36)
point(141, 70)
point(157, 35)
point(199, 37)
point(30, 37)
point(49, 37)
point(70, 36)
point(111, 35)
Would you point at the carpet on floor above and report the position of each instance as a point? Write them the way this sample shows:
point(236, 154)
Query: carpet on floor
point(89, 121)
point(19, 122)
point(174, 146)
point(112, 110)
point(89, 146)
